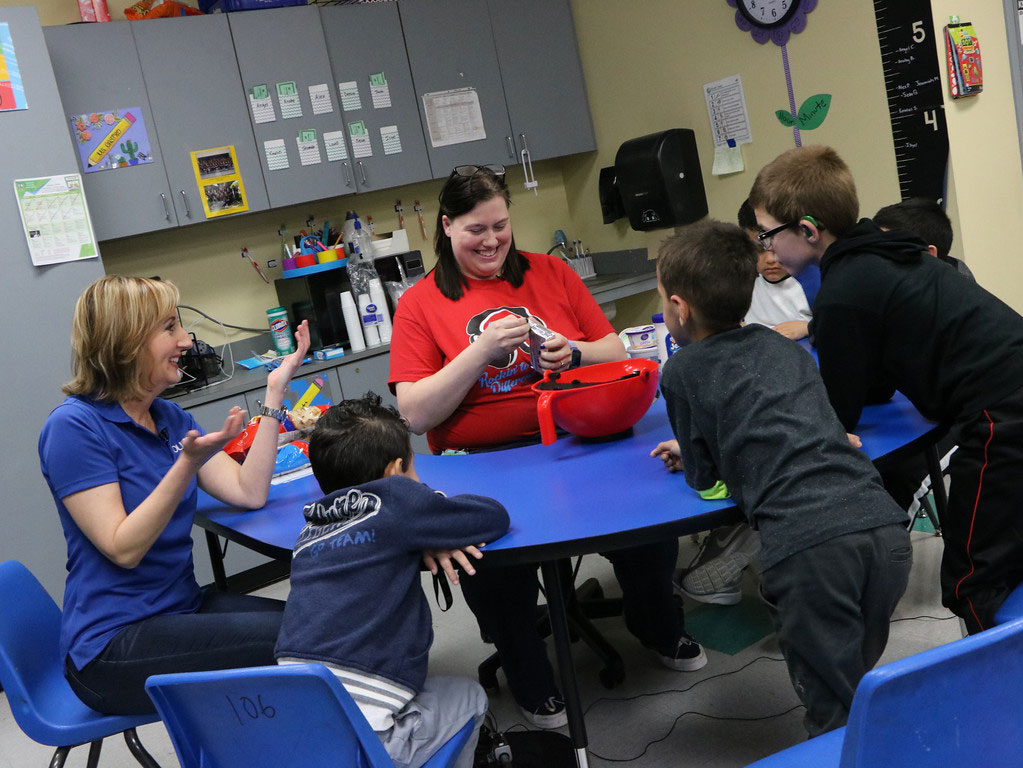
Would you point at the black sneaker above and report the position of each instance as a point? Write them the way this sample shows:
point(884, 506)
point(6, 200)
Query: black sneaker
point(687, 657)
point(549, 714)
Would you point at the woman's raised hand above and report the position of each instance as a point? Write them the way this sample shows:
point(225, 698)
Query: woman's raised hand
point(197, 448)
point(281, 375)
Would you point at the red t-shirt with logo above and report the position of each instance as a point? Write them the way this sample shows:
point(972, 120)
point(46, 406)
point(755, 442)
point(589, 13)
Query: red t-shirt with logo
point(430, 330)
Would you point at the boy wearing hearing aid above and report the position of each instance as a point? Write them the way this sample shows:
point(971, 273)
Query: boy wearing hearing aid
point(889, 314)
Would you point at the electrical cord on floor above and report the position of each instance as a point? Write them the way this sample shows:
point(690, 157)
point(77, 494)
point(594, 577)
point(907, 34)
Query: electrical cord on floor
point(675, 722)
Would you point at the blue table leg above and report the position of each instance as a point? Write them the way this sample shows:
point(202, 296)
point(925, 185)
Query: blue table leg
point(557, 580)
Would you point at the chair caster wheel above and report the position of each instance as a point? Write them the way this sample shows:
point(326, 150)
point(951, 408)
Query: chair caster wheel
point(611, 677)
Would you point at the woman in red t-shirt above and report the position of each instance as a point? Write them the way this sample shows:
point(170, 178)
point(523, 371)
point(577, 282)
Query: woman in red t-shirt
point(461, 371)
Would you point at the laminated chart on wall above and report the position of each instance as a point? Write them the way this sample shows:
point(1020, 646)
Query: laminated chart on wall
point(319, 97)
point(111, 138)
point(349, 94)
point(334, 144)
point(379, 91)
point(729, 123)
point(55, 218)
point(308, 148)
point(359, 136)
point(287, 95)
point(262, 105)
point(454, 117)
point(12, 90)
point(220, 182)
point(390, 139)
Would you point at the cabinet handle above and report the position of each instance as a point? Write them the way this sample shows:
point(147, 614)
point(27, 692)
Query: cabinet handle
point(184, 200)
point(527, 166)
point(362, 170)
point(511, 146)
point(348, 178)
point(166, 208)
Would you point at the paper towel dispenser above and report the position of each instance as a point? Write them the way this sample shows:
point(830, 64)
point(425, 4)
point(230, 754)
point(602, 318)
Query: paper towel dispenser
point(659, 180)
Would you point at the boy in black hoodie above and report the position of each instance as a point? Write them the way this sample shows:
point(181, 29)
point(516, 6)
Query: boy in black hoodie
point(889, 314)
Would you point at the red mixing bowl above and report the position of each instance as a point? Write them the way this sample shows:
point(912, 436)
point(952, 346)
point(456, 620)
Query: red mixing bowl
point(617, 396)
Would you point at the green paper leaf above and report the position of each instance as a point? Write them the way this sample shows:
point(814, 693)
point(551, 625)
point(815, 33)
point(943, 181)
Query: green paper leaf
point(785, 118)
point(814, 110)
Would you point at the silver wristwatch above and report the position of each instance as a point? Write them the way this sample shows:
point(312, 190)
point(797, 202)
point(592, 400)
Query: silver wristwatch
point(274, 413)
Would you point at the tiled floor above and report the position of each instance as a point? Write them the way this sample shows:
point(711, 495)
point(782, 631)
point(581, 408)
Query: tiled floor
point(736, 709)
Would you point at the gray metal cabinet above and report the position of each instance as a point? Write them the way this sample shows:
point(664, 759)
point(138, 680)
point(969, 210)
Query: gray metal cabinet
point(198, 103)
point(364, 41)
point(543, 77)
point(35, 143)
point(450, 46)
point(122, 201)
point(286, 45)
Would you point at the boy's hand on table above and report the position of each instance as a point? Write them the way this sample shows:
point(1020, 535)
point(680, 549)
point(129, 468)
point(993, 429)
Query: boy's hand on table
point(440, 559)
point(670, 453)
point(793, 329)
point(854, 440)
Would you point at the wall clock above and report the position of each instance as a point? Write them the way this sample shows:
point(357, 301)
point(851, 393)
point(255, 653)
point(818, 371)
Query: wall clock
point(772, 20)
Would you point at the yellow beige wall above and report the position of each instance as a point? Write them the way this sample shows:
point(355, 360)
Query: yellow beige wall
point(645, 62)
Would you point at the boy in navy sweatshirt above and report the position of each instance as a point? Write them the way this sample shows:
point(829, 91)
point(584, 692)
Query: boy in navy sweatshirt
point(356, 603)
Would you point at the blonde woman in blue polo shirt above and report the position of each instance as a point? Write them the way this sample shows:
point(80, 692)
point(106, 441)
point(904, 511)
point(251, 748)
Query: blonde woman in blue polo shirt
point(124, 466)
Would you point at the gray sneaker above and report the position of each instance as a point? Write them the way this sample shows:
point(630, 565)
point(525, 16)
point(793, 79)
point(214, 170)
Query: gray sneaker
point(714, 576)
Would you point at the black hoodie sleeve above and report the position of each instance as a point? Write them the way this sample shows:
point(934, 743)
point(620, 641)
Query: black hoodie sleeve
point(850, 358)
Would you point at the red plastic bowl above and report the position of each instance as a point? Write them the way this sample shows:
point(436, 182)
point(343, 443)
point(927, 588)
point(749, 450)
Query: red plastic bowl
point(610, 405)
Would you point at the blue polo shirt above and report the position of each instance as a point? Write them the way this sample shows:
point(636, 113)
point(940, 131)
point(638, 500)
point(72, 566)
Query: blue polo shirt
point(85, 444)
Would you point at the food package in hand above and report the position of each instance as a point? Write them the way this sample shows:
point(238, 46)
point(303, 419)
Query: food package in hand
point(538, 334)
point(299, 421)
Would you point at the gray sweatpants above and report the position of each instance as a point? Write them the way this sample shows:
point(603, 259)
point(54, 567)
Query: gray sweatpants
point(436, 714)
point(832, 604)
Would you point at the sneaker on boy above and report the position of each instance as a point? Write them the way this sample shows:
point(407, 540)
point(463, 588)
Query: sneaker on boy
point(716, 573)
point(687, 656)
point(547, 714)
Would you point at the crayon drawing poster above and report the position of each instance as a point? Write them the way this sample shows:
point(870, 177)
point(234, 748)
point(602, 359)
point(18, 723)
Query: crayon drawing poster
point(220, 182)
point(12, 92)
point(111, 138)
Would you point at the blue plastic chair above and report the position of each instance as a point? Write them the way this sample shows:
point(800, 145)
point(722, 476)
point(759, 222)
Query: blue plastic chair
point(269, 717)
point(957, 704)
point(32, 676)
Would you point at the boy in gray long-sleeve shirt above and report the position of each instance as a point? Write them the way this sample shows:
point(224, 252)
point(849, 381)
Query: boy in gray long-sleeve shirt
point(749, 410)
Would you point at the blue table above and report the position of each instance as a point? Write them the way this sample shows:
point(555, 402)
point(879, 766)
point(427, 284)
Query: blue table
point(571, 498)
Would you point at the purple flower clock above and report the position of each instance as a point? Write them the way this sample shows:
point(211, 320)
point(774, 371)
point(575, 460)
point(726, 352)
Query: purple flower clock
point(775, 21)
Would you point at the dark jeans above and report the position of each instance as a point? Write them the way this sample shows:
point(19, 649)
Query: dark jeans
point(504, 603)
point(983, 529)
point(832, 604)
point(227, 631)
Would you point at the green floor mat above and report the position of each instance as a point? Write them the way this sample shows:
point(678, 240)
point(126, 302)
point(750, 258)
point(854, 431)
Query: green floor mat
point(730, 628)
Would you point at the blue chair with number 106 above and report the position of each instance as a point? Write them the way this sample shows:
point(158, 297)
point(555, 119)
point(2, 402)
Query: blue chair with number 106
point(269, 717)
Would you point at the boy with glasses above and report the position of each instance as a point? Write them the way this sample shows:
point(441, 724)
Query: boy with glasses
point(890, 315)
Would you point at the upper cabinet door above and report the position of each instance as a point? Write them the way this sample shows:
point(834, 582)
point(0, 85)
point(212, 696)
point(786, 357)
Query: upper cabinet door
point(454, 67)
point(283, 50)
point(198, 103)
point(128, 200)
point(367, 49)
point(542, 76)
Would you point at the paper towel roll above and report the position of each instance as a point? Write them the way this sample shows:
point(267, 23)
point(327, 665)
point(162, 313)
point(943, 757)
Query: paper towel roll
point(377, 295)
point(370, 323)
point(352, 323)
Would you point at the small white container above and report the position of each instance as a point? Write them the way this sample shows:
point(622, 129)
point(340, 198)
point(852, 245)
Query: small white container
point(641, 337)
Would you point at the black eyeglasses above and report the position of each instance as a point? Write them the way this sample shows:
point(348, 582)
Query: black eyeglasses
point(468, 171)
point(765, 238)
